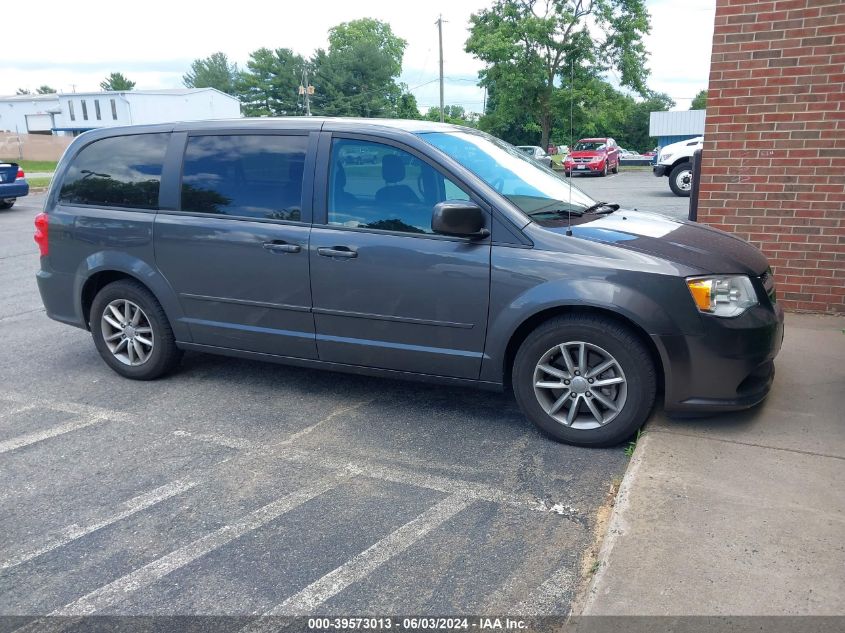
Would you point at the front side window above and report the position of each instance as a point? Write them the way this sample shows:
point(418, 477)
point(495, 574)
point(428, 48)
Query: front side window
point(256, 176)
point(120, 171)
point(378, 186)
point(534, 189)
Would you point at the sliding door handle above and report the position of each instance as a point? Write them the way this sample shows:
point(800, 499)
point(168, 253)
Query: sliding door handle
point(343, 252)
point(282, 247)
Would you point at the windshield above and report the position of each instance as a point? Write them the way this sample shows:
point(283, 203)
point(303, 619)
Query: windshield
point(589, 146)
point(533, 188)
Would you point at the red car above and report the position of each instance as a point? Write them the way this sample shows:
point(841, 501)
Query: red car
point(593, 156)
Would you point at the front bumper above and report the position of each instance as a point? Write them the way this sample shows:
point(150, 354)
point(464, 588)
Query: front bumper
point(660, 170)
point(585, 168)
point(729, 367)
point(11, 190)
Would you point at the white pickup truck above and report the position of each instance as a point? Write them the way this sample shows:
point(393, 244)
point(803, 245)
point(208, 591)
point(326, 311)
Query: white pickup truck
point(675, 161)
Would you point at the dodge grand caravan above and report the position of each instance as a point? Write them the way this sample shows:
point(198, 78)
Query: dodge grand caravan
point(405, 249)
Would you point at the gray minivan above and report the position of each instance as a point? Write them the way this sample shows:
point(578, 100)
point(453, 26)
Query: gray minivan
point(406, 249)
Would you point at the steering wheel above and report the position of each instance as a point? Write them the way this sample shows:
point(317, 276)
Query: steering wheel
point(498, 183)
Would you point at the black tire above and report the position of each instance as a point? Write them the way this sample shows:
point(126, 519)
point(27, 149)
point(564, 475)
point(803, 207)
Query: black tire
point(7, 204)
point(603, 171)
point(616, 168)
point(568, 174)
point(164, 356)
point(622, 344)
point(680, 172)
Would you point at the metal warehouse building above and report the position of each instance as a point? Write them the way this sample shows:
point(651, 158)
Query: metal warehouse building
point(676, 125)
point(74, 113)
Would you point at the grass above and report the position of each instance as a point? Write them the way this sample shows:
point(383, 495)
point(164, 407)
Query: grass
point(34, 165)
point(632, 445)
point(39, 182)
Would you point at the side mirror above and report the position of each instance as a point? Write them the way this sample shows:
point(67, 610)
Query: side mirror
point(459, 218)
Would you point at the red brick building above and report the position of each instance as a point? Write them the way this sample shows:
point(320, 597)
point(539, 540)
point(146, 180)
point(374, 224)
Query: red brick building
point(773, 167)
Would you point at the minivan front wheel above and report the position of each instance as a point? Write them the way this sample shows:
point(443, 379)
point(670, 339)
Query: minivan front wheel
point(131, 331)
point(584, 380)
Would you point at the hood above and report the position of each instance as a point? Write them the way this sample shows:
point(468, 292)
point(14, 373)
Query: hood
point(688, 243)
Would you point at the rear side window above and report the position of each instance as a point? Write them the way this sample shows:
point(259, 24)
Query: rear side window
point(253, 176)
point(120, 171)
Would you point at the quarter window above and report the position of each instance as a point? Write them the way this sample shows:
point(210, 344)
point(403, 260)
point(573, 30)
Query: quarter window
point(120, 171)
point(257, 176)
point(377, 186)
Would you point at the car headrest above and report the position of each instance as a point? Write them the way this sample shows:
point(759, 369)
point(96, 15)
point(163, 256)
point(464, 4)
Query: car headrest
point(339, 176)
point(392, 168)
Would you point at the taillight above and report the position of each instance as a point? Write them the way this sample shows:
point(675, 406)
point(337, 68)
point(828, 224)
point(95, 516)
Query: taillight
point(20, 173)
point(42, 223)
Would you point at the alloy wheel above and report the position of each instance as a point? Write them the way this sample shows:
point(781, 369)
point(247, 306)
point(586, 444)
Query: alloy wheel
point(580, 385)
point(127, 332)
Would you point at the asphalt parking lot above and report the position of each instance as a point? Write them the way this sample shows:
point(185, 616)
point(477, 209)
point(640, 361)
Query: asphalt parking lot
point(235, 487)
point(635, 189)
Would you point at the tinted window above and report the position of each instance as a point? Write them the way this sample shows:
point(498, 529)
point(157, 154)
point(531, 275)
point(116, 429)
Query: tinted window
point(257, 176)
point(376, 186)
point(121, 171)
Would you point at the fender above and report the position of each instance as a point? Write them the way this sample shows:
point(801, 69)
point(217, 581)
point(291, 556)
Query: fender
point(138, 269)
point(647, 312)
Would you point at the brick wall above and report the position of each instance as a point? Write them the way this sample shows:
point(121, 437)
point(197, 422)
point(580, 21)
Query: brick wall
point(773, 167)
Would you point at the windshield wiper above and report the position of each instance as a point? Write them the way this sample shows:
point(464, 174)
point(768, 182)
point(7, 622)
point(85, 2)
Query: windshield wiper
point(610, 208)
point(564, 212)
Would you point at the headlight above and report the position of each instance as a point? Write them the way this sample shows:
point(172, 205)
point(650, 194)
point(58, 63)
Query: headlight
point(724, 296)
point(666, 156)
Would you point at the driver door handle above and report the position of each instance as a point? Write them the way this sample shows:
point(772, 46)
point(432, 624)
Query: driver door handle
point(337, 251)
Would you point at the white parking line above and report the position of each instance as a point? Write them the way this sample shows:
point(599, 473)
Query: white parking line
point(153, 571)
point(39, 436)
point(370, 559)
point(73, 532)
point(395, 474)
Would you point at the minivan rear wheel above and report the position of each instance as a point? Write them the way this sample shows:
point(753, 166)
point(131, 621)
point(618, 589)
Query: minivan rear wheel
point(131, 331)
point(584, 380)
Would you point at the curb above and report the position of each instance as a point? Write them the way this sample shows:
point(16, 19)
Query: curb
point(616, 526)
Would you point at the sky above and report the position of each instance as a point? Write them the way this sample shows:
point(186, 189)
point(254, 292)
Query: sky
point(154, 42)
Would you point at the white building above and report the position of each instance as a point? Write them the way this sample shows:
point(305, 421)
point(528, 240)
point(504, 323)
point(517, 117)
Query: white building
point(74, 113)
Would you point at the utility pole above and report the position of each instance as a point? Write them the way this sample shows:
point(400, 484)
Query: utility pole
point(439, 24)
point(306, 90)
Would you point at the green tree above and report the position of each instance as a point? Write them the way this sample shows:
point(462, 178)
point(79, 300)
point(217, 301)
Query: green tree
point(407, 107)
point(45, 90)
point(530, 45)
point(454, 114)
point(23, 91)
point(214, 71)
point(357, 75)
point(699, 102)
point(117, 82)
point(270, 84)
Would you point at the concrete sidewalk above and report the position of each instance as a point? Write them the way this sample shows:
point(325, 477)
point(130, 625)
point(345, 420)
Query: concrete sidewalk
point(741, 514)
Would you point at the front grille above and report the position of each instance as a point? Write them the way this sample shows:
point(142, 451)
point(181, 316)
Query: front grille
point(582, 161)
